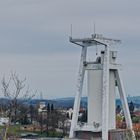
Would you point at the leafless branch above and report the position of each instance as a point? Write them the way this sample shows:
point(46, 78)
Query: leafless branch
point(14, 89)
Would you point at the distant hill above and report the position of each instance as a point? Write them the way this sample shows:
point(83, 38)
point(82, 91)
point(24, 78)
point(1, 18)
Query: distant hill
point(69, 101)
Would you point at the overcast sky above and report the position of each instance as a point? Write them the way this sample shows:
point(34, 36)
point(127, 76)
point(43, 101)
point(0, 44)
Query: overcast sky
point(34, 40)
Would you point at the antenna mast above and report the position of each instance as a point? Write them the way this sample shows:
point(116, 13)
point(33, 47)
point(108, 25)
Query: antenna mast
point(71, 30)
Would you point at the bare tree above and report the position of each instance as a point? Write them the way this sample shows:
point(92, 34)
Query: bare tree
point(16, 91)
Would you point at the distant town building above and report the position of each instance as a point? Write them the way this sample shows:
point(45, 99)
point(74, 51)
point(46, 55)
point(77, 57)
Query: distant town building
point(42, 107)
point(4, 120)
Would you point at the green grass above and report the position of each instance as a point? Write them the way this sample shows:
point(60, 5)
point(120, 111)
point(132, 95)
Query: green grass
point(12, 130)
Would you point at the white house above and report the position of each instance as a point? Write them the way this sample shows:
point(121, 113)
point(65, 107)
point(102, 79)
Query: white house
point(4, 120)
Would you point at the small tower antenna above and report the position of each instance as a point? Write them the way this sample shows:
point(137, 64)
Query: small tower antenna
point(71, 30)
point(94, 28)
point(94, 34)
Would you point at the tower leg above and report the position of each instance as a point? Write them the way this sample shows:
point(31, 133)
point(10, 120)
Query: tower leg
point(105, 95)
point(124, 103)
point(79, 92)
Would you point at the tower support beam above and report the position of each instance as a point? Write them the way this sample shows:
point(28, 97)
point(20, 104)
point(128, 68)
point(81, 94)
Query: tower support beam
point(105, 95)
point(79, 91)
point(124, 103)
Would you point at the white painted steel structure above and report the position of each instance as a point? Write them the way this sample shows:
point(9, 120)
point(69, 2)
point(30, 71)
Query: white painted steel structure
point(102, 78)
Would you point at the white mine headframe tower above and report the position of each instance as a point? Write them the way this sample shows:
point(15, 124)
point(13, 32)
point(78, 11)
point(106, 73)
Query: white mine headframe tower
point(102, 76)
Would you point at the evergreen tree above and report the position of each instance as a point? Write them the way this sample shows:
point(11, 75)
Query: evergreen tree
point(52, 107)
point(131, 107)
point(48, 107)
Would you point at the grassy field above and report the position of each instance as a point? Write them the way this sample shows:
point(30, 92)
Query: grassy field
point(11, 130)
point(15, 130)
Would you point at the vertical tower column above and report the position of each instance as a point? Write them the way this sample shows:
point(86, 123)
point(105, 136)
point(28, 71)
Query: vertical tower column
point(79, 91)
point(105, 95)
point(112, 103)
